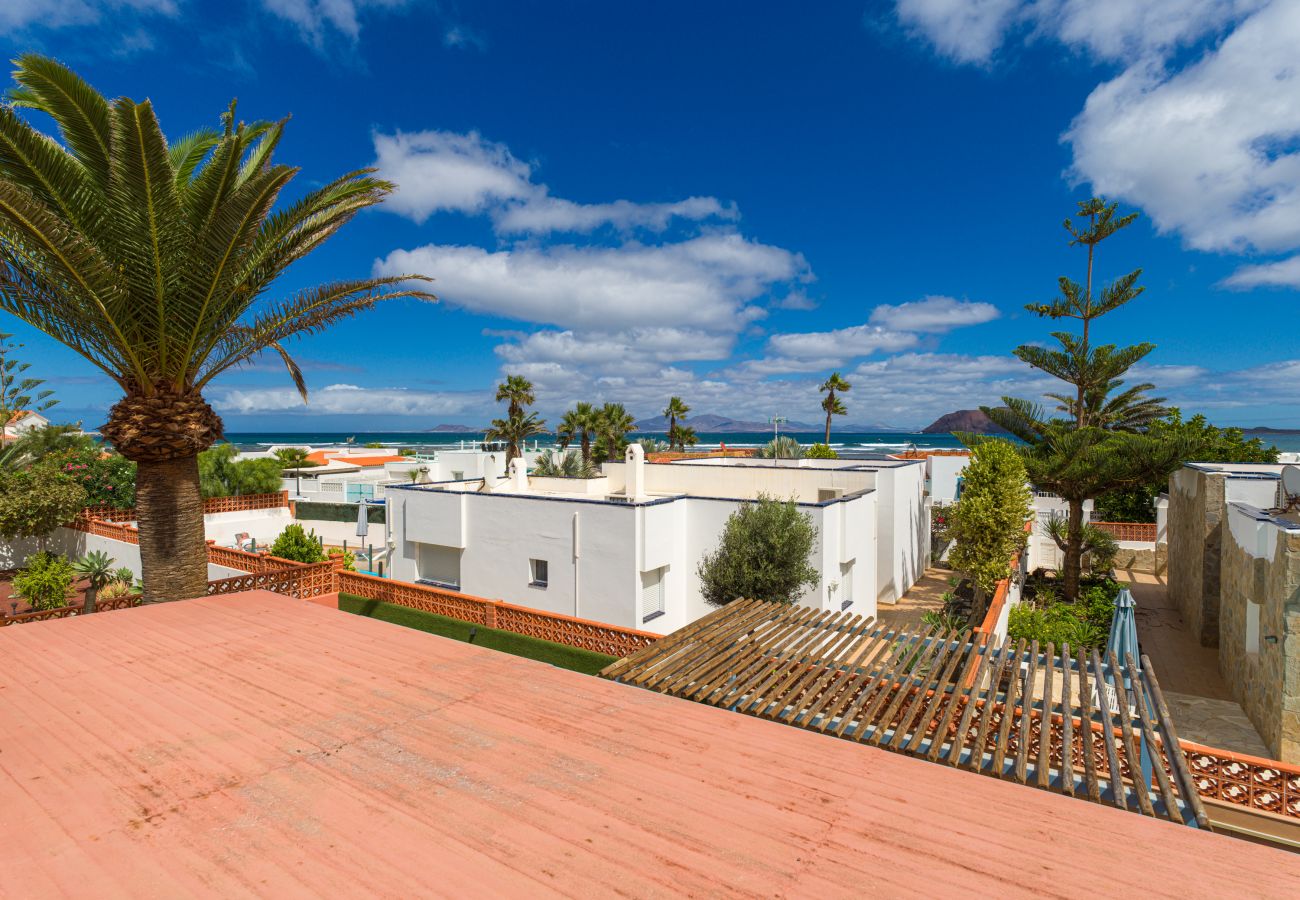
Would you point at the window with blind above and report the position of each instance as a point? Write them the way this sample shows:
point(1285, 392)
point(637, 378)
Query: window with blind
point(438, 564)
point(652, 594)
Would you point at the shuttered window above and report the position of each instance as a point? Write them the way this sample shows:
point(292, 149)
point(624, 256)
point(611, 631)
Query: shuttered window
point(652, 594)
point(439, 564)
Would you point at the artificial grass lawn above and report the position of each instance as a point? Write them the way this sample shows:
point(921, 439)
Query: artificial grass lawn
point(584, 661)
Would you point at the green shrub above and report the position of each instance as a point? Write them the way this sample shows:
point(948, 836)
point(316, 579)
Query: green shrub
point(1085, 624)
point(116, 589)
point(762, 555)
point(298, 544)
point(820, 451)
point(46, 581)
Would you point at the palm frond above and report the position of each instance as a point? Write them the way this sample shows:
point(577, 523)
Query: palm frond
point(82, 114)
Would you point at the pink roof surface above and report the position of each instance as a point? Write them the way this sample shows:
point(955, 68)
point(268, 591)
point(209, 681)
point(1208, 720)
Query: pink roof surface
point(253, 744)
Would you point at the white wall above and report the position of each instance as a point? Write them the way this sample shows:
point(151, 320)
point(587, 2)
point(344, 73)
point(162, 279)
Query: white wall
point(903, 530)
point(598, 551)
point(943, 472)
point(264, 525)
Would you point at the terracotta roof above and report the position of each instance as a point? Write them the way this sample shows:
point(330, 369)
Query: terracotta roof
point(323, 456)
point(253, 744)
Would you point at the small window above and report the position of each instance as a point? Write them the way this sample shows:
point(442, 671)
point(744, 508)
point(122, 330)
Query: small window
point(652, 594)
point(538, 572)
point(1252, 627)
point(457, 476)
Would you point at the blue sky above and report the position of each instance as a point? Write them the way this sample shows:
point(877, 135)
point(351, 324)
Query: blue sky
point(728, 200)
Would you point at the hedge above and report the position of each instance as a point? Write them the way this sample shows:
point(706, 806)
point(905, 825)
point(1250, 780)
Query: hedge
point(338, 512)
point(584, 661)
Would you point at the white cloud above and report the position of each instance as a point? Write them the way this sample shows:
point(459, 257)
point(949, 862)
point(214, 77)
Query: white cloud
point(17, 14)
point(1283, 273)
point(972, 31)
point(635, 346)
point(933, 314)
point(441, 170)
point(707, 282)
point(315, 19)
point(968, 31)
point(351, 399)
point(840, 344)
point(1209, 151)
point(545, 213)
point(464, 37)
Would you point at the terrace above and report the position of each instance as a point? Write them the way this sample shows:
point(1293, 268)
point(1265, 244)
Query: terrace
point(276, 747)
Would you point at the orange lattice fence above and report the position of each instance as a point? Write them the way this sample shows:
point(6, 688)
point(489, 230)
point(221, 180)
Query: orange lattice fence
point(559, 629)
point(240, 503)
point(1129, 531)
point(672, 455)
point(291, 579)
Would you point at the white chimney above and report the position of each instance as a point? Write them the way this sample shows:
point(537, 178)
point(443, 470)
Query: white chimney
point(634, 487)
point(518, 474)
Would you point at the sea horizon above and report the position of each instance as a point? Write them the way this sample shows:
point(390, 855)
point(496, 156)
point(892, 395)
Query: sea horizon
point(865, 441)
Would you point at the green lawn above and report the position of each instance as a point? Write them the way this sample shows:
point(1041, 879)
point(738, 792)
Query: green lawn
point(506, 641)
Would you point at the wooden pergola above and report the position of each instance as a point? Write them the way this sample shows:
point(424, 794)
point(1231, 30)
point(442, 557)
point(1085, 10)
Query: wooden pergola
point(958, 699)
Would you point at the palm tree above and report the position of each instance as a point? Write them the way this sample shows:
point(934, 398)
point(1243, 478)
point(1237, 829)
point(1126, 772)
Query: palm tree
point(831, 403)
point(518, 392)
point(580, 422)
point(614, 422)
point(515, 431)
point(686, 437)
point(567, 464)
point(150, 260)
point(674, 411)
point(294, 458)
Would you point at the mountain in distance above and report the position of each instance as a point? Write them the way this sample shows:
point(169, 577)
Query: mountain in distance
point(1263, 429)
point(707, 423)
point(972, 420)
point(446, 428)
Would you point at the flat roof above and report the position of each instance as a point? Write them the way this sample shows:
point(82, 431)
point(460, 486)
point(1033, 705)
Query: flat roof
point(254, 744)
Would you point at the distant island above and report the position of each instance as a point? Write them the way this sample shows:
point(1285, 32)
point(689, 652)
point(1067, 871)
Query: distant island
point(972, 420)
point(453, 429)
point(1263, 430)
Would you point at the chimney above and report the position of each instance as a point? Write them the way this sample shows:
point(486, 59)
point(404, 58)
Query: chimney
point(634, 486)
point(518, 474)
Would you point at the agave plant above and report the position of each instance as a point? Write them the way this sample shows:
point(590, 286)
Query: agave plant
point(654, 445)
point(96, 567)
point(568, 464)
point(783, 447)
point(152, 260)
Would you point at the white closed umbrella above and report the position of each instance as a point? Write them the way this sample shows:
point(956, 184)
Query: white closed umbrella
point(363, 520)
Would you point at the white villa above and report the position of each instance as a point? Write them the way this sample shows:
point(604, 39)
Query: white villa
point(623, 547)
point(22, 422)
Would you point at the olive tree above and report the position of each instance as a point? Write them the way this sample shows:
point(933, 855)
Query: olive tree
point(763, 555)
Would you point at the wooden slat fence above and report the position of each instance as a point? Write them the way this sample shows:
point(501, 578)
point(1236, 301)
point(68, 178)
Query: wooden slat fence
point(1017, 712)
point(1129, 531)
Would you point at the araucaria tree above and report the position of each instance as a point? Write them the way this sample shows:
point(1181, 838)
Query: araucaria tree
point(19, 393)
point(988, 523)
point(675, 412)
point(832, 403)
point(152, 260)
point(763, 555)
point(1100, 443)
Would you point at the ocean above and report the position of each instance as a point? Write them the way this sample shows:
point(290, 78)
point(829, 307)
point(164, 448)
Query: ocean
point(853, 443)
point(850, 443)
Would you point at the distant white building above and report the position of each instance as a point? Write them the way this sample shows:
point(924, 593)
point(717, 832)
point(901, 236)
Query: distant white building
point(624, 547)
point(22, 422)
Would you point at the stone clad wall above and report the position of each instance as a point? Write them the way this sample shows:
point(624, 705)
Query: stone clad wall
point(1261, 564)
point(1196, 510)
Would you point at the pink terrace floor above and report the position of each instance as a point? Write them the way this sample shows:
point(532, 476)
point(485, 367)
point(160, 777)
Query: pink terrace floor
point(256, 745)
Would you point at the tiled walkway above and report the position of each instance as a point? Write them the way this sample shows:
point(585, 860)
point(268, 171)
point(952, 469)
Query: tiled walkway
point(1199, 702)
point(924, 596)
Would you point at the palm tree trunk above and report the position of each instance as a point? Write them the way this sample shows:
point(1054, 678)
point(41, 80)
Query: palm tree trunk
point(173, 551)
point(1072, 567)
point(828, 427)
point(586, 449)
